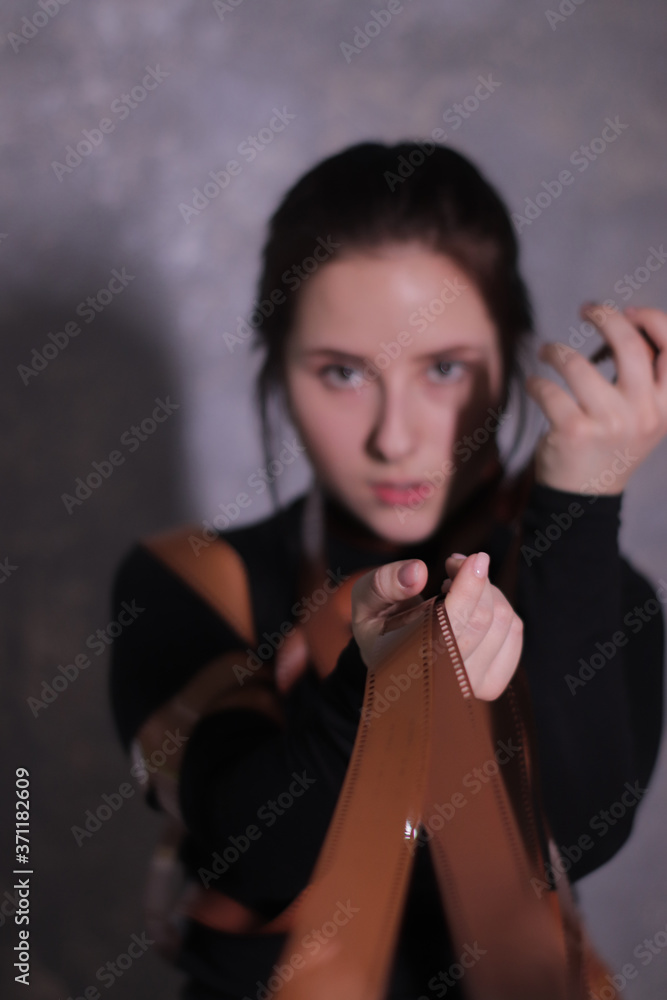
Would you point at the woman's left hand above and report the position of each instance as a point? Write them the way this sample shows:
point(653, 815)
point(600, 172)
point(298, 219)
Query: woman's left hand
point(598, 438)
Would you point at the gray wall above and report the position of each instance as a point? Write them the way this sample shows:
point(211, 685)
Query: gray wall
point(63, 232)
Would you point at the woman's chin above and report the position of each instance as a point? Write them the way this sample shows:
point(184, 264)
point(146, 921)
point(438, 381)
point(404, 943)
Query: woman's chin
point(402, 525)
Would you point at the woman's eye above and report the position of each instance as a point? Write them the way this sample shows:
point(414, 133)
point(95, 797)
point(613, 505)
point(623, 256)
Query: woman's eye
point(447, 371)
point(342, 376)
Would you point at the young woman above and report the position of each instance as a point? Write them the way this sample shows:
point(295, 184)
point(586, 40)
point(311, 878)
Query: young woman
point(394, 350)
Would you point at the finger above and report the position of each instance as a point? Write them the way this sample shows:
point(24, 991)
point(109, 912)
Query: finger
point(557, 405)
point(491, 668)
point(632, 355)
point(452, 565)
point(591, 390)
point(465, 593)
point(291, 659)
point(654, 322)
point(378, 591)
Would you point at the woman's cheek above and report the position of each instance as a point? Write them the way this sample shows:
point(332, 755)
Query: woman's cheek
point(334, 437)
point(325, 424)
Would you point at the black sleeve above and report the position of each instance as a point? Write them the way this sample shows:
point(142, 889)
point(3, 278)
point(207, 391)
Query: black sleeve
point(170, 635)
point(593, 654)
point(245, 783)
point(239, 768)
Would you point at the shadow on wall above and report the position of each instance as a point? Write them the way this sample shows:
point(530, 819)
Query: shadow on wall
point(92, 461)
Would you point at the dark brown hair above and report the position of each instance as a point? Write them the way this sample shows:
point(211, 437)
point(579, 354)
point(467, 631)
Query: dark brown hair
point(372, 194)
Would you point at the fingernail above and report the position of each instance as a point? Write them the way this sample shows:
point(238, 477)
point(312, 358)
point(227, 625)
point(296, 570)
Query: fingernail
point(481, 564)
point(457, 555)
point(407, 574)
point(630, 311)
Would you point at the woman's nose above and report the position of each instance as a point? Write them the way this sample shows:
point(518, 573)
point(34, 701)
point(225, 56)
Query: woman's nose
point(393, 435)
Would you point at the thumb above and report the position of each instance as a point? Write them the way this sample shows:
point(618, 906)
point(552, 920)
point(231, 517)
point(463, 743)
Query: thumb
point(377, 592)
point(291, 659)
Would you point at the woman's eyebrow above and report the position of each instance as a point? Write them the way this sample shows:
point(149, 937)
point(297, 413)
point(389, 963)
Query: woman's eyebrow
point(450, 349)
point(454, 349)
point(331, 352)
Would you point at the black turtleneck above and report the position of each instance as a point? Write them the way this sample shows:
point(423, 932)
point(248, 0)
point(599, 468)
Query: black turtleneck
point(592, 655)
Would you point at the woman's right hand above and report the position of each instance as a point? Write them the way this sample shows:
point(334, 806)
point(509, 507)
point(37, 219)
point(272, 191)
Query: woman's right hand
point(488, 632)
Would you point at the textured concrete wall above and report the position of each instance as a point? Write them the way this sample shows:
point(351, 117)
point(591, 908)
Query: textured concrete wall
point(217, 76)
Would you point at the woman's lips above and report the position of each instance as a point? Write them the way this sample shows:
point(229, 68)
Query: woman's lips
point(399, 492)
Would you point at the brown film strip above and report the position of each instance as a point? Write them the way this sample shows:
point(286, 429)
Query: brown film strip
point(405, 759)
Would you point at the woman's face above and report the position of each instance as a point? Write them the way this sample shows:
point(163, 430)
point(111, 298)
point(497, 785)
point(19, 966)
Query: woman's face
point(392, 367)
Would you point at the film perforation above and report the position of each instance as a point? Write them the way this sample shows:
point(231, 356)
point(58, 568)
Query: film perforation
point(452, 649)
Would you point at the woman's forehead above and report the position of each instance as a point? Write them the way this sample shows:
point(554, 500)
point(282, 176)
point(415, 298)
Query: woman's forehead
point(348, 303)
